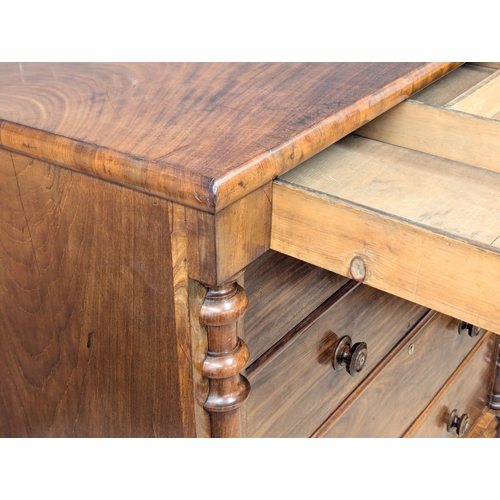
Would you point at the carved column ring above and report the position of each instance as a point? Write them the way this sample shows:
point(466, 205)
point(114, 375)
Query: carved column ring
point(227, 355)
point(225, 365)
point(223, 305)
point(221, 400)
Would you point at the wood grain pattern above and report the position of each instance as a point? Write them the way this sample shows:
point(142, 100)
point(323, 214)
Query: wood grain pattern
point(298, 388)
point(221, 245)
point(227, 355)
point(189, 334)
point(94, 327)
point(482, 100)
point(466, 391)
point(203, 135)
point(282, 291)
point(373, 375)
point(286, 340)
point(386, 405)
point(440, 194)
point(462, 137)
point(452, 85)
point(485, 427)
point(199, 349)
point(494, 65)
point(329, 232)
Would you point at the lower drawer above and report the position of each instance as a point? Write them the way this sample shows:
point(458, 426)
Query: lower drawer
point(275, 280)
point(397, 392)
point(466, 392)
point(294, 385)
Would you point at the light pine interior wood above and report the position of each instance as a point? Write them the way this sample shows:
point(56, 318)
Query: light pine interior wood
point(482, 99)
point(494, 65)
point(454, 198)
point(401, 257)
point(452, 85)
point(418, 206)
point(442, 132)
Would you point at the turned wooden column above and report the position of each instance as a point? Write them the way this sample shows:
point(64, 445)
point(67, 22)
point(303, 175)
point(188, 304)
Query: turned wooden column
point(227, 355)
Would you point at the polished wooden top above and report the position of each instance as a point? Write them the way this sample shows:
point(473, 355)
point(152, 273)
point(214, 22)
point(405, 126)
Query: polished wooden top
point(196, 133)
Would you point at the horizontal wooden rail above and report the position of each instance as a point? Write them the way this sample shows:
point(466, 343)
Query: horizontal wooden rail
point(454, 276)
point(442, 132)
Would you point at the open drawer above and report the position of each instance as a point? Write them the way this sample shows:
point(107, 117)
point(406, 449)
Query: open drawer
point(411, 203)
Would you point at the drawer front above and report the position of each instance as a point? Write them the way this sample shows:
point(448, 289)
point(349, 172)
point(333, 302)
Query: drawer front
point(466, 392)
point(295, 390)
point(282, 291)
point(391, 399)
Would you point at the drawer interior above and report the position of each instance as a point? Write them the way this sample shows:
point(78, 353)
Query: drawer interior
point(454, 84)
point(411, 203)
point(465, 128)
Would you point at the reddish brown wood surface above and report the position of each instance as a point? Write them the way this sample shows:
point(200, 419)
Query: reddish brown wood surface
point(296, 388)
point(282, 291)
point(200, 134)
point(387, 402)
point(94, 323)
point(466, 391)
point(222, 244)
point(227, 356)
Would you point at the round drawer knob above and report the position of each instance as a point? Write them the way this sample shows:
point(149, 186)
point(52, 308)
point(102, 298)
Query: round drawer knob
point(352, 357)
point(464, 327)
point(461, 424)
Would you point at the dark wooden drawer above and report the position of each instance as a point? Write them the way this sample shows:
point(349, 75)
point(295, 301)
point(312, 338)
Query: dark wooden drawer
point(396, 393)
point(466, 391)
point(282, 291)
point(294, 386)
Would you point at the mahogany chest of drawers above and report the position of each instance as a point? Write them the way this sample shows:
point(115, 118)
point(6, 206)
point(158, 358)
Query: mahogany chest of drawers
point(254, 250)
